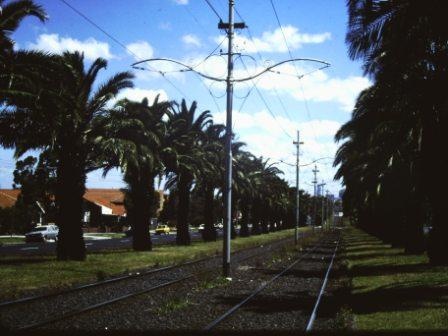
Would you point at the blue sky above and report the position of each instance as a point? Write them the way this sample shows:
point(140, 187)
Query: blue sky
point(186, 30)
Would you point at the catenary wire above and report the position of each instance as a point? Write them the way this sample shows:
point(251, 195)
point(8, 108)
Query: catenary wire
point(120, 44)
point(249, 33)
point(214, 10)
point(266, 104)
point(295, 68)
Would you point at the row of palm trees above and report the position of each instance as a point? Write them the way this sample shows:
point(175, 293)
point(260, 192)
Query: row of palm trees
point(53, 104)
point(393, 158)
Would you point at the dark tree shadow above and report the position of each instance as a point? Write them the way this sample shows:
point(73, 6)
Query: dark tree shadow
point(402, 297)
point(373, 270)
point(264, 304)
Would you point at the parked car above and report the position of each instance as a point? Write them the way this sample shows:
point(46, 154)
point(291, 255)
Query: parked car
point(42, 233)
point(128, 232)
point(162, 228)
point(217, 226)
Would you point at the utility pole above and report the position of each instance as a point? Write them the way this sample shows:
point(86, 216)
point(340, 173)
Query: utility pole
point(321, 187)
point(327, 195)
point(230, 26)
point(315, 171)
point(227, 190)
point(296, 230)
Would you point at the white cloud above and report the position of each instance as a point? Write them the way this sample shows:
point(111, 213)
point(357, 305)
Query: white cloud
point(317, 86)
point(265, 137)
point(273, 41)
point(54, 43)
point(192, 40)
point(140, 50)
point(165, 25)
point(137, 94)
point(181, 2)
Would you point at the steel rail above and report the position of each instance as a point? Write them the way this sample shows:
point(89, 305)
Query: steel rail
point(101, 304)
point(321, 292)
point(116, 279)
point(99, 283)
point(229, 312)
point(152, 288)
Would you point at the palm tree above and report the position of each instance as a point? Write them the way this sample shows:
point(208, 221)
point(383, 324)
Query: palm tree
point(379, 165)
point(211, 178)
point(246, 181)
point(134, 134)
point(263, 199)
point(185, 137)
point(56, 111)
point(405, 41)
point(11, 15)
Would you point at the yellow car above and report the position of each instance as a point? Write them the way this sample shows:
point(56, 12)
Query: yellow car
point(162, 229)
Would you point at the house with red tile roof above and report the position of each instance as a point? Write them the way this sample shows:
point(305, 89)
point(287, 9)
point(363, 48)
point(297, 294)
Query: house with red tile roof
point(103, 209)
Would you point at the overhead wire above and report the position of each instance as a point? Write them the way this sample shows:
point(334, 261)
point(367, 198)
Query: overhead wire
point(214, 10)
point(285, 111)
point(121, 45)
point(207, 88)
point(265, 103)
point(295, 67)
point(257, 89)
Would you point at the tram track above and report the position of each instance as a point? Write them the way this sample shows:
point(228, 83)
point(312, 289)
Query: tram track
point(54, 307)
point(223, 318)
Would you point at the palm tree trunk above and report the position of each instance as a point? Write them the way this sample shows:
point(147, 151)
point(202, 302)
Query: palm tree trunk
point(265, 219)
point(438, 237)
point(414, 240)
point(232, 221)
point(244, 231)
point(209, 229)
point(141, 204)
point(183, 209)
point(433, 164)
point(256, 216)
point(70, 189)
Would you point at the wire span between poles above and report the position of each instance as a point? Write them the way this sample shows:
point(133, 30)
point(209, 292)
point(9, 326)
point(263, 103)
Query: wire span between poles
point(238, 80)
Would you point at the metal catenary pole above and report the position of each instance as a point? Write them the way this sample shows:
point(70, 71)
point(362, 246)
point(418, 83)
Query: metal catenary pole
point(227, 193)
point(296, 231)
point(230, 26)
point(315, 171)
point(322, 185)
point(228, 185)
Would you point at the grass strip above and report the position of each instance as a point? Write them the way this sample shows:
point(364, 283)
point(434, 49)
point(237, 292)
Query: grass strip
point(391, 290)
point(11, 240)
point(21, 274)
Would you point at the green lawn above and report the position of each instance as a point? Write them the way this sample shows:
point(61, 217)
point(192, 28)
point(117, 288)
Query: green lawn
point(20, 274)
point(105, 234)
point(394, 291)
point(11, 240)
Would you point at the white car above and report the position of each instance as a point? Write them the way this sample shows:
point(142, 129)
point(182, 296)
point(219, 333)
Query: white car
point(42, 233)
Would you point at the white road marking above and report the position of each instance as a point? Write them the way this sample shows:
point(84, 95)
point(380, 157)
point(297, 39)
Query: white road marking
point(29, 248)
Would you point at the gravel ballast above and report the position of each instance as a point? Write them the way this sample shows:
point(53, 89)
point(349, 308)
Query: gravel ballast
point(25, 314)
point(284, 304)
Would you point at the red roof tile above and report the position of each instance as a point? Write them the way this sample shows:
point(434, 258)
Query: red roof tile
point(8, 197)
point(110, 198)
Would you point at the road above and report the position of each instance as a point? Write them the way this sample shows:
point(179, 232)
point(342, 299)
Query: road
point(91, 245)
